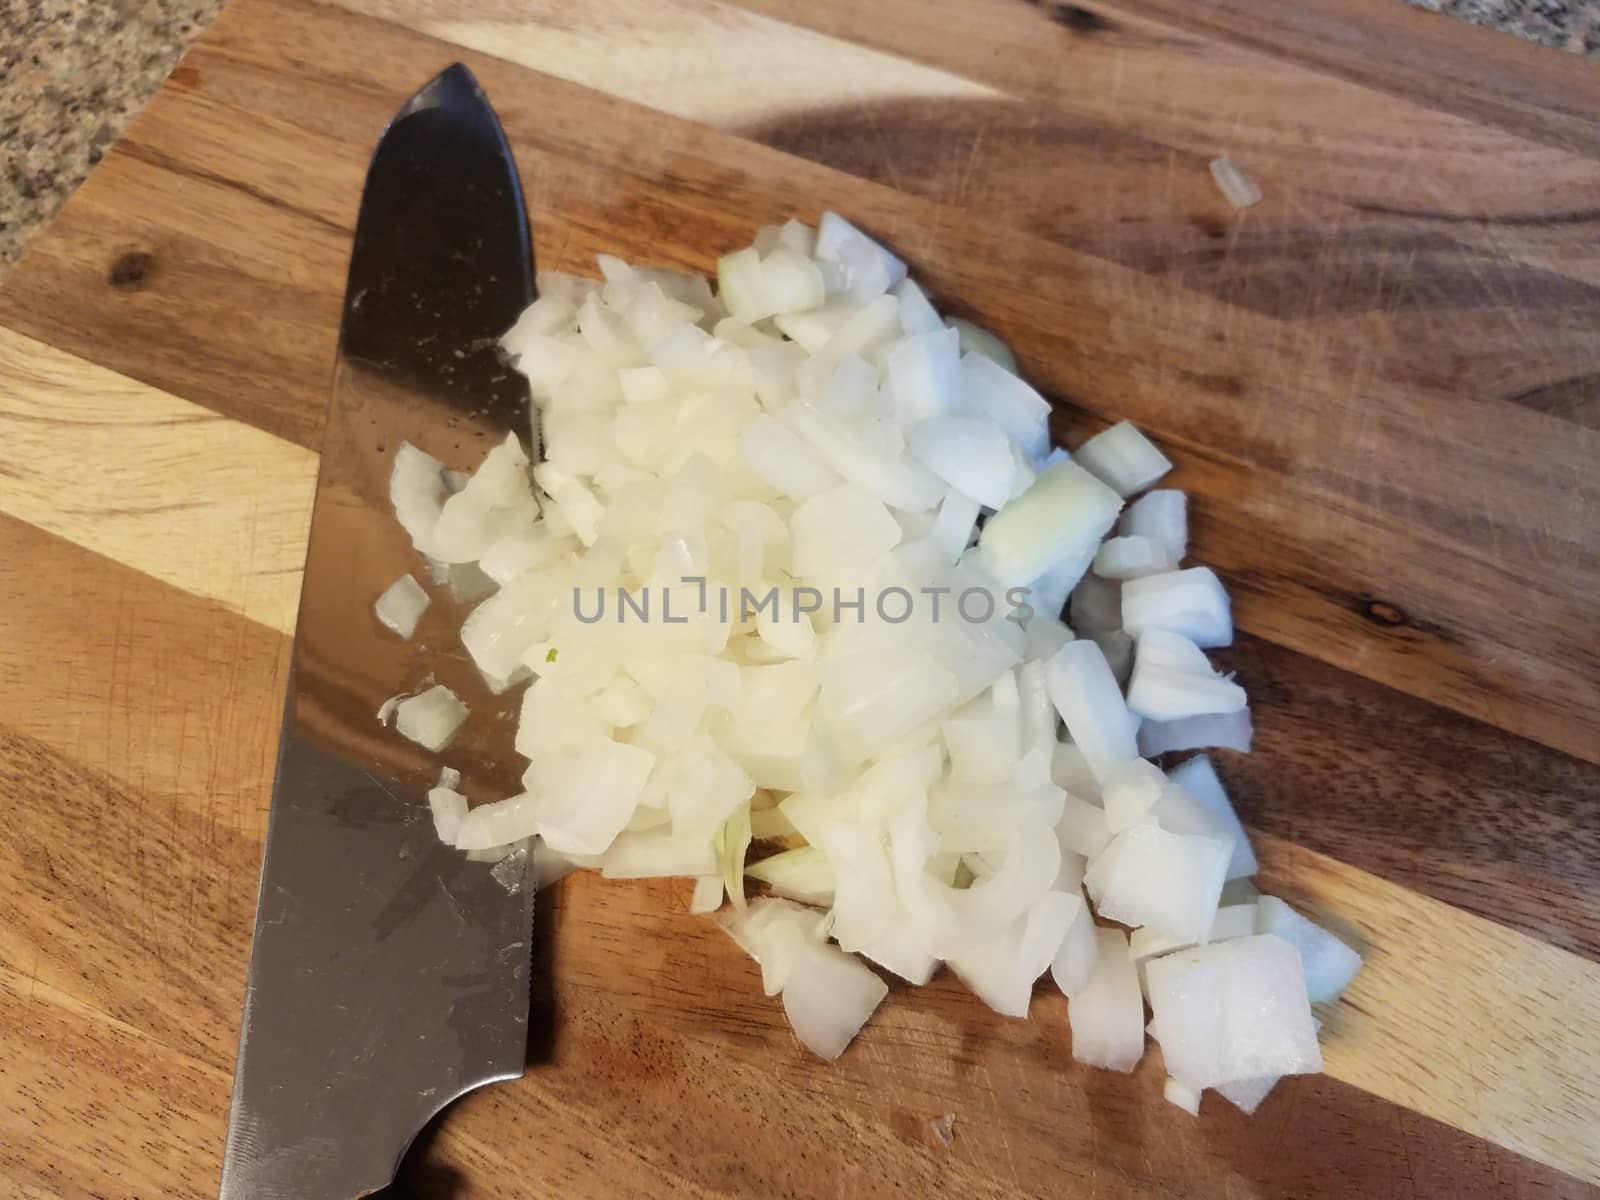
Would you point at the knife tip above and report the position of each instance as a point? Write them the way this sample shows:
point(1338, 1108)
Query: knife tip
point(452, 86)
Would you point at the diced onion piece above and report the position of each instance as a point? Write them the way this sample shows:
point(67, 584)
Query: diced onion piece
point(417, 491)
point(548, 866)
point(956, 523)
point(971, 455)
point(1060, 519)
point(1170, 695)
point(1001, 971)
point(1045, 635)
point(1129, 791)
point(401, 606)
point(495, 854)
point(1048, 594)
point(1198, 777)
point(1191, 602)
point(1179, 812)
point(1123, 458)
point(784, 460)
point(576, 503)
point(799, 237)
point(707, 897)
point(1162, 516)
point(917, 314)
point(1231, 731)
point(740, 285)
point(790, 282)
point(502, 628)
point(430, 719)
point(828, 997)
point(1082, 829)
point(644, 385)
point(862, 267)
point(990, 390)
point(870, 700)
point(1247, 1094)
point(654, 854)
point(975, 339)
point(772, 931)
point(448, 807)
point(923, 375)
point(843, 527)
point(732, 843)
point(578, 799)
point(896, 480)
point(495, 500)
point(1172, 680)
point(1107, 1011)
point(1086, 695)
point(1129, 557)
point(803, 874)
point(1170, 881)
point(1231, 921)
point(1329, 964)
point(1180, 1094)
point(1236, 187)
point(1070, 770)
point(1233, 1010)
point(1076, 957)
point(813, 329)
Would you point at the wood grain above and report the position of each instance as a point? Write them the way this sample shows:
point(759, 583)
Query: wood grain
point(1380, 387)
point(1400, 488)
point(1494, 80)
point(164, 486)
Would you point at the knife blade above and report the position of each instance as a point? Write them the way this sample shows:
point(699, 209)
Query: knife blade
point(388, 975)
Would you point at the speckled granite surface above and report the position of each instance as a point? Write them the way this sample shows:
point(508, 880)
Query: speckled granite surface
point(73, 72)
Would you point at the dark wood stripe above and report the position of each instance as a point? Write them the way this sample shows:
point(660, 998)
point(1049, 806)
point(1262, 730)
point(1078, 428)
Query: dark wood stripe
point(1436, 303)
point(1475, 73)
point(1449, 807)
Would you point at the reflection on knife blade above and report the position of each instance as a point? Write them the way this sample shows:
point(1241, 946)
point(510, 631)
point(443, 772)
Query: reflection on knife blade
point(388, 976)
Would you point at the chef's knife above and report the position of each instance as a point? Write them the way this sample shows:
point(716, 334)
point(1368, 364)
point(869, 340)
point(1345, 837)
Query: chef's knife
point(388, 975)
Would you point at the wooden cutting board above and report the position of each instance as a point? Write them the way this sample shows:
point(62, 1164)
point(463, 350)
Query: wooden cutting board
point(1381, 387)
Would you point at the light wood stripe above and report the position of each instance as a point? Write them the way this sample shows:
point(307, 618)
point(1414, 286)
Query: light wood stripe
point(1455, 1017)
point(703, 61)
point(209, 505)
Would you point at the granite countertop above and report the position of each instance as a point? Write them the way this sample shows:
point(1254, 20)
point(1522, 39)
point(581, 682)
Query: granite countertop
point(74, 72)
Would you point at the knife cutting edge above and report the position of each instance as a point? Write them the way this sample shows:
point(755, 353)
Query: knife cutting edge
point(388, 975)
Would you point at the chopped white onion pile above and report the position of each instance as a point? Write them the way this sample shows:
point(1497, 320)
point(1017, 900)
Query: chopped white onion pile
point(771, 580)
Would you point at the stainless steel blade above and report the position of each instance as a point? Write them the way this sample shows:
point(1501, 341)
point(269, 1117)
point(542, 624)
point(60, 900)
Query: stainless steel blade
point(388, 974)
